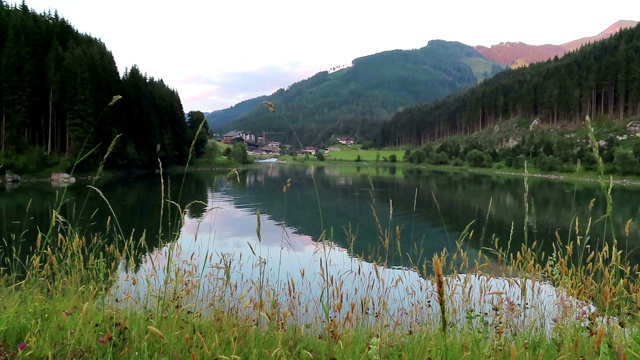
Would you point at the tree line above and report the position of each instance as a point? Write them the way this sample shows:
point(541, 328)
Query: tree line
point(61, 93)
point(600, 80)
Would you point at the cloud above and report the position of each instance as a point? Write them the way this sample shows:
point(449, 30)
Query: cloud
point(208, 92)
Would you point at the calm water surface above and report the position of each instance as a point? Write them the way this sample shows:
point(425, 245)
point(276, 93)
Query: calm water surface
point(357, 208)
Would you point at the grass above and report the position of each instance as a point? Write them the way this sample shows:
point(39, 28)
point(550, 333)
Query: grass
point(81, 298)
point(351, 153)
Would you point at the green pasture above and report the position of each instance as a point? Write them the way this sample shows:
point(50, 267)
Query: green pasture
point(351, 154)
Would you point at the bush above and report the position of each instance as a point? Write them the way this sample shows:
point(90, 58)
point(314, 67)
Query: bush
point(319, 156)
point(519, 161)
point(212, 150)
point(548, 163)
point(406, 155)
point(457, 162)
point(239, 153)
point(393, 158)
point(477, 158)
point(438, 158)
point(625, 162)
point(417, 156)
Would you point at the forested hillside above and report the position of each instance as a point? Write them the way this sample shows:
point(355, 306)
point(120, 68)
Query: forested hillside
point(599, 80)
point(60, 93)
point(354, 100)
point(217, 119)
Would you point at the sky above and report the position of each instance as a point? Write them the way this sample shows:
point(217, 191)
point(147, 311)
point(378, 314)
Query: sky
point(217, 53)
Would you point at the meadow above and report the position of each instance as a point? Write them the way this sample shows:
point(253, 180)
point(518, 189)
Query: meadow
point(345, 153)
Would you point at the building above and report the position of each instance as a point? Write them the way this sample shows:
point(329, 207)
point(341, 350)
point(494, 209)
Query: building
point(346, 140)
point(237, 136)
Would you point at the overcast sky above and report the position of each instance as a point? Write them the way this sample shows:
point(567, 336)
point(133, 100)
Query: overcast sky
point(217, 53)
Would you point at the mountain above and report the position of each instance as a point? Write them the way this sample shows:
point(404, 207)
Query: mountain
point(601, 80)
point(217, 119)
point(515, 54)
point(373, 89)
point(619, 25)
point(355, 100)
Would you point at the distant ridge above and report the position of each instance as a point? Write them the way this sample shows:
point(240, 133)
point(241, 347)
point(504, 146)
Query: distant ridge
point(516, 54)
point(218, 118)
point(619, 25)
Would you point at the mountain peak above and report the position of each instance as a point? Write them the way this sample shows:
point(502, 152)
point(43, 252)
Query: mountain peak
point(617, 26)
point(516, 54)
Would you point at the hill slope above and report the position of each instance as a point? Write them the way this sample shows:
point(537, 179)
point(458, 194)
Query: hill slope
point(217, 119)
point(348, 101)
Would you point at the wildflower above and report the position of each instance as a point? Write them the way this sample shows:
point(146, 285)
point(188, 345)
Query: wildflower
point(72, 331)
point(68, 312)
point(105, 339)
point(22, 346)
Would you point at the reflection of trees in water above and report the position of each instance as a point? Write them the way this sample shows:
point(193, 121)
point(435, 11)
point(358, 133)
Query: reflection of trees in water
point(553, 206)
point(445, 204)
point(137, 209)
point(348, 207)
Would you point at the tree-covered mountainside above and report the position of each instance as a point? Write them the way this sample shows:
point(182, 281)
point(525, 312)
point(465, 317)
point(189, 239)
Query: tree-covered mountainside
point(600, 79)
point(352, 100)
point(58, 92)
point(217, 119)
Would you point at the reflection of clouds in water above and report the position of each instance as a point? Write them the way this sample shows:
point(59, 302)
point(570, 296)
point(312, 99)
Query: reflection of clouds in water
point(218, 263)
point(226, 223)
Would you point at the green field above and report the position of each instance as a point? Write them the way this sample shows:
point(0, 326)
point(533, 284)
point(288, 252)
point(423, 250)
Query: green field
point(351, 154)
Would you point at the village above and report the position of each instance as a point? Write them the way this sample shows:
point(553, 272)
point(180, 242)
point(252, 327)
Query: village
point(260, 145)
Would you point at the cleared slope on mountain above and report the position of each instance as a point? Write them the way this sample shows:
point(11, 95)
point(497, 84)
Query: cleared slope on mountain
point(619, 25)
point(515, 54)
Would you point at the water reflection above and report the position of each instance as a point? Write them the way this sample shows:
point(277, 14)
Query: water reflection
point(241, 262)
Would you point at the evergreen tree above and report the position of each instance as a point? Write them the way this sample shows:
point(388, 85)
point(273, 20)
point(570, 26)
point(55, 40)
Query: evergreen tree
point(195, 119)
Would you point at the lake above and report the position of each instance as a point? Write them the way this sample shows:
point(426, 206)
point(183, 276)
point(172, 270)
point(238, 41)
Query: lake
point(281, 229)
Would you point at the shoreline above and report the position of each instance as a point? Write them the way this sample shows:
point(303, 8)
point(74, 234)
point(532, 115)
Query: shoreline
point(447, 168)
